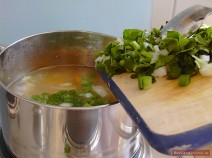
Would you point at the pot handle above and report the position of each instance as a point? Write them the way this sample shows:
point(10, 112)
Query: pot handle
point(1, 49)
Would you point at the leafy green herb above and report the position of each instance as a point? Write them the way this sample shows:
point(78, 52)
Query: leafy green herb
point(84, 96)
point(174, 70)
point(67, 149)
point(141, 52)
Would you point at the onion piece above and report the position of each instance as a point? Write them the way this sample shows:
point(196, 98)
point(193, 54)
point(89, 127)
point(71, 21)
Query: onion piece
point(100, 59)
point(121, 41)
point(66, 105)
point(154, 57)
point(66, 84)
point(160, 72)
point(100, 90)
point(88, 95)
point(164, 52)
point(206, 70)
point(156, 48)
point(205, 58)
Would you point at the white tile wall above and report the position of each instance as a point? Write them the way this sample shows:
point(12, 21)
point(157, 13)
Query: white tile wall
point(183, 4)
point(26, 17)
point(164, 10)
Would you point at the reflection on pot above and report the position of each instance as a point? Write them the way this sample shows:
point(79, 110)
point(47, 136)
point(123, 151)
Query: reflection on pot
point(41, 126)
point(121, 122)
point(13, 105)
point(83, 127)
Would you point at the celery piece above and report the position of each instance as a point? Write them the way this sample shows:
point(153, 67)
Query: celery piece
point(135, 45)
point(144, 82)
point(184, 80)
point(146, 54)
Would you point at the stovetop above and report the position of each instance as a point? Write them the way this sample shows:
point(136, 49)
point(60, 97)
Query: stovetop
point(4, 151)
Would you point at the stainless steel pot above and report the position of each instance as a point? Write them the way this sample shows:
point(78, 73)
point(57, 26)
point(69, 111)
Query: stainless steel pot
point(36, 130)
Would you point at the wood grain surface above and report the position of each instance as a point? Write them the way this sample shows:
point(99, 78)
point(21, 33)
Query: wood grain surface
point(168, 108)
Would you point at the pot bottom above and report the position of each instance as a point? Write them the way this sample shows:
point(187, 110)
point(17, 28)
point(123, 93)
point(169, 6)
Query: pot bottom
point(143, 151)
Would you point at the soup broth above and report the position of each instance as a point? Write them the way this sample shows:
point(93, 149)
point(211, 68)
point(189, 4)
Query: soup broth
point(64, 86)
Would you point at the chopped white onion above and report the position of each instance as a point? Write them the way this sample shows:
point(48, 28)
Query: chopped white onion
point(160, 72)
point(163, 37)
point(88, 95)
point(136, 44)
point(66, 84)
point(26, 78)
point(66, 104)
point(199, 62)
point(206, 70)
point(205, 58)
point(100, 59)
point(156, 48)
point(120, 40)
point(164, 52)
point(145, 44)
point(154, 57)
point(100, 90)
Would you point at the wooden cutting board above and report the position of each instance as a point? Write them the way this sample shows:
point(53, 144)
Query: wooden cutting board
point(168, 108)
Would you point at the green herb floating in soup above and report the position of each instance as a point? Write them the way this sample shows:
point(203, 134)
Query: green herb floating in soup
point(66, 86)
point(150, 54)
point(86, 95)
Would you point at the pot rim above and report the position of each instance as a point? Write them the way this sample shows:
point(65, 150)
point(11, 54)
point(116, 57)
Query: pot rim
point(47, 105)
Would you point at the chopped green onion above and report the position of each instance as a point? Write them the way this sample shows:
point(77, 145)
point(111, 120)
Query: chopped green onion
point(144, 82)
point(143, 52)
point(135, 45)
point(174, 71)
point(67, 149)
point(132, 34)
point(147, 55)
point(87, 95)
point(184, 80)
point(200, 63)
